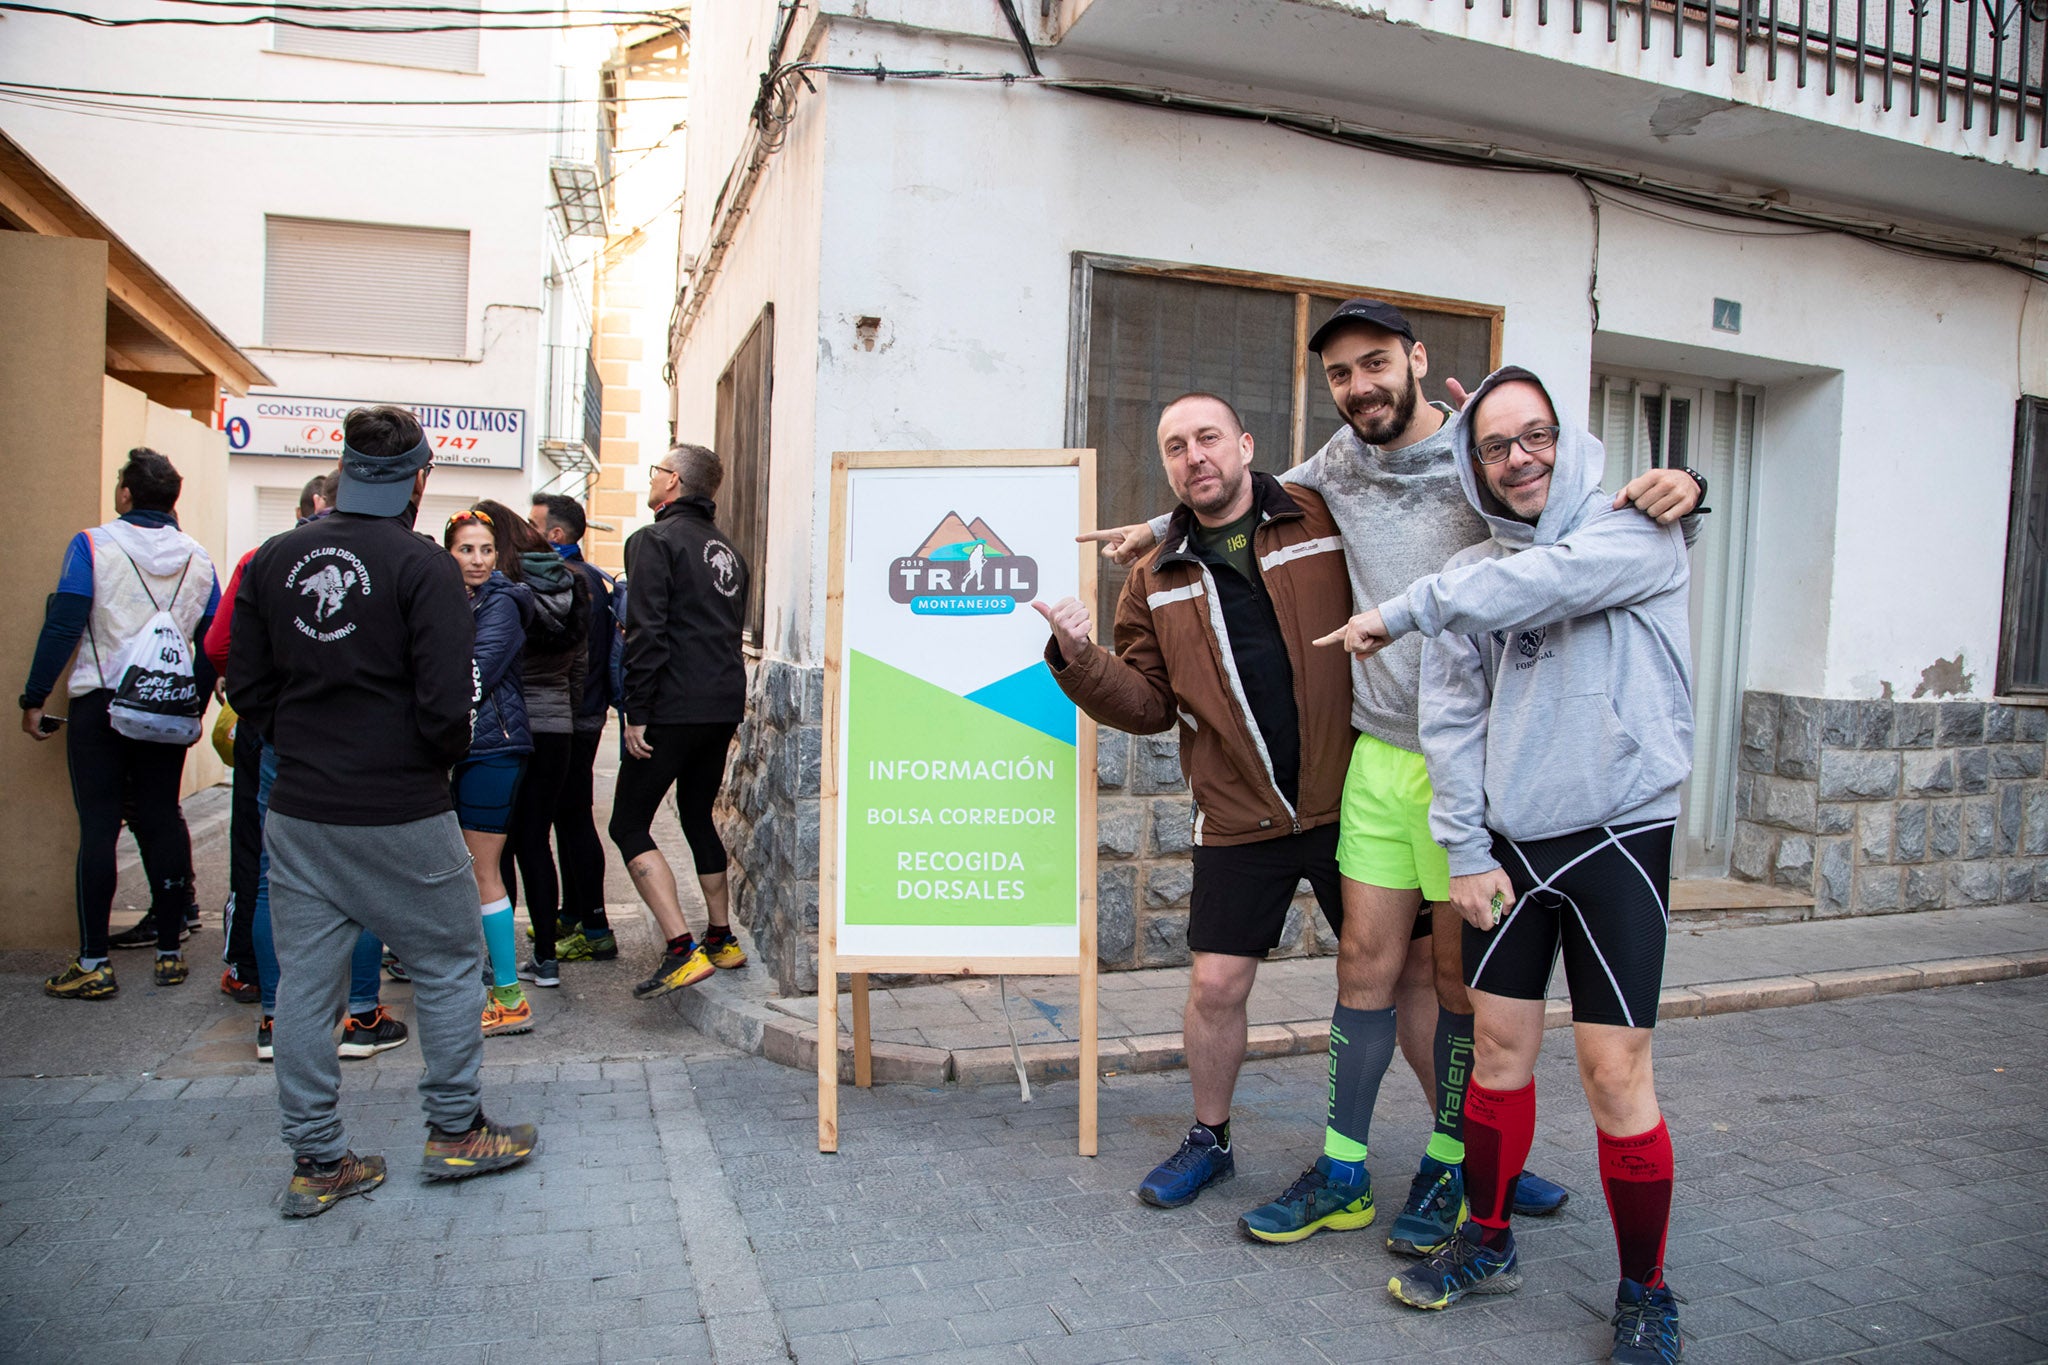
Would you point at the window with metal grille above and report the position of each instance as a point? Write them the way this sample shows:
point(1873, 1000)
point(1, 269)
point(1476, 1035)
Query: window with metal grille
point(741, 436)
point(375, 288)
point(453, 47)
point(1153, 332)
point(2023, 631)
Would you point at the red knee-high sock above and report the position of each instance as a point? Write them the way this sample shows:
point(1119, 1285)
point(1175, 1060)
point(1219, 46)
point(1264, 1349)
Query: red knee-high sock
point(1636, 1172)
point(1500, 1125)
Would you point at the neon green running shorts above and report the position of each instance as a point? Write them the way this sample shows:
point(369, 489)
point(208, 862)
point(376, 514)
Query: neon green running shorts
point(1384, 839)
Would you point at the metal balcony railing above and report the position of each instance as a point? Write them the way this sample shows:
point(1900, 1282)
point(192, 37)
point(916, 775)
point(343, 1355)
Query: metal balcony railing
point(1966, 59)
point(574, 414)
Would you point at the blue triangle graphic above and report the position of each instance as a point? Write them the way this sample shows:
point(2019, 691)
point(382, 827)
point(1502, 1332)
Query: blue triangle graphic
point(1032, 698)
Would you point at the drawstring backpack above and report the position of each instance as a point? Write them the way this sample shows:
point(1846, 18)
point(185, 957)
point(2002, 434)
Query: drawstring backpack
point(156, 695)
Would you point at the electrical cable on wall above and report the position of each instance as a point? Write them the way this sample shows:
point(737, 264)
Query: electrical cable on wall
point(269, 16)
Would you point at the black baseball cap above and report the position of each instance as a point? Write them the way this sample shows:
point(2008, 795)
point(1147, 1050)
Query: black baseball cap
point(1384, 316)
point(379, 485)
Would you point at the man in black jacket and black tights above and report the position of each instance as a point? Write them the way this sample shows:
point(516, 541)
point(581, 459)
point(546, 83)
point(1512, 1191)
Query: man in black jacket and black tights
point(686, 691)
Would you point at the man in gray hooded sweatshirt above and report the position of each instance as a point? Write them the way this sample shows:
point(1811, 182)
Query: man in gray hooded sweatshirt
point(1556, 719)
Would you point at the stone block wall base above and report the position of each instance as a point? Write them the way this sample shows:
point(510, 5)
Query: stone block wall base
point(1875, 806)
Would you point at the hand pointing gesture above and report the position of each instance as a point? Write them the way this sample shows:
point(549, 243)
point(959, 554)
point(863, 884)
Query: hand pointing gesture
point(1070, 626)
point(1364, 634)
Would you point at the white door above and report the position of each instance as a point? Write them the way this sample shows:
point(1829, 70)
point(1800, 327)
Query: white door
point(1652, 423)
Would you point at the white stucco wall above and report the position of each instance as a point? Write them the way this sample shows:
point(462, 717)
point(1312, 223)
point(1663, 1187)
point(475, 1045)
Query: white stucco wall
point(192, 199)
point(952, 213)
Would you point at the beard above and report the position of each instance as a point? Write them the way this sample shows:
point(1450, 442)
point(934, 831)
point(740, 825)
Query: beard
point(1219, 498)
point(1389, 421)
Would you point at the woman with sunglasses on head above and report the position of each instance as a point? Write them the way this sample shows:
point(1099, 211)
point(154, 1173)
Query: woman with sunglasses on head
point(486, 782)
point(552, 667)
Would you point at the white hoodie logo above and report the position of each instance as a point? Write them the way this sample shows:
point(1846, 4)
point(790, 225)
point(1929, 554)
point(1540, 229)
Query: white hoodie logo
point(326, 578)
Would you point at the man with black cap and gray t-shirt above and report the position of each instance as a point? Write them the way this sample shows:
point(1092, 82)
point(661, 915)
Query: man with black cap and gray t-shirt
point(351, 656)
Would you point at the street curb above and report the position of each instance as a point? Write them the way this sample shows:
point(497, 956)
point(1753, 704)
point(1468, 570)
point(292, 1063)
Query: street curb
point(757, 1029)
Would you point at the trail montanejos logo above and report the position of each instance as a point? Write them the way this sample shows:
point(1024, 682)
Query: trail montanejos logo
point(963, 569)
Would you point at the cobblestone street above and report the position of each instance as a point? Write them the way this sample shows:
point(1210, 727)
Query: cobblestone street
point(1863, 1179)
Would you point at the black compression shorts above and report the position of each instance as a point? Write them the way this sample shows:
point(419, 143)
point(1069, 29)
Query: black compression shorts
point(1242, 891)
point(1603, 896)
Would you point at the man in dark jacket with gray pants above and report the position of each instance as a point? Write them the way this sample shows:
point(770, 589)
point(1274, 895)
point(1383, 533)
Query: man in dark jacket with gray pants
point(354, 626)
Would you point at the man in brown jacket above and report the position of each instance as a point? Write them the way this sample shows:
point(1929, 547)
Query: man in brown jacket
point(1213, 633)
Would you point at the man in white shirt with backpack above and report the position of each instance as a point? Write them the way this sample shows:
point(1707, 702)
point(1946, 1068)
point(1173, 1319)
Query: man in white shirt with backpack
point(133, 597)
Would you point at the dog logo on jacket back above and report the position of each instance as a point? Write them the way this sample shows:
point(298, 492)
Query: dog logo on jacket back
point(326, 579)
point(725, 567)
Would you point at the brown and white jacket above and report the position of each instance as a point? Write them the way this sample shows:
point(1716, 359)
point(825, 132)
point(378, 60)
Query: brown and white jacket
point(1174, 663)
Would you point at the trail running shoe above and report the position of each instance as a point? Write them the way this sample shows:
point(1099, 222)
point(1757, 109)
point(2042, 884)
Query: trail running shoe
point(1464, 1266)
point(264, 1051)
point(142, 934)
point(725, 953)
point(604, 945)
point(676, 971)
point(500, 1020)
point(366, 1035)
point(76, 983)
point(1198, 1164)
point(171, 970)
point(1313, 1202)
point(485, 1147)
point(1435, 1208)
point(1646, 1326)
point(1536, 1197)
point(240, 991)
point(541, 972)
point(316, 1188)
point(572, 947)
point(395, 969)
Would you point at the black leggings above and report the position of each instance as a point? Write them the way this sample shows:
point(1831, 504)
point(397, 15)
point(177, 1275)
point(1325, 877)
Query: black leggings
point(576, 837)
point(110, 770)
point(691, 758)
point(526, 842)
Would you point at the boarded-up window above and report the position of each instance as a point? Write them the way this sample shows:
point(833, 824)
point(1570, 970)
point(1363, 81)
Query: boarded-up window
point(365, 287)
point(2023, 636)
point(452, 48)
point(1155, 333)
point(744, 395)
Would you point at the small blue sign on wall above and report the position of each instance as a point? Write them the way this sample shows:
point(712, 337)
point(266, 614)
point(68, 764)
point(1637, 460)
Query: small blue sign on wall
point(1727, 315)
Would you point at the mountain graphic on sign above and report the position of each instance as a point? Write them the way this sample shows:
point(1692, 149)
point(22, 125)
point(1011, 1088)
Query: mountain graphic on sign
point(953, 534)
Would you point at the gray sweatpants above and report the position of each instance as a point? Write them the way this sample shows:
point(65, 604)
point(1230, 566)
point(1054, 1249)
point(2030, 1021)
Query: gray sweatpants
point(411, 886)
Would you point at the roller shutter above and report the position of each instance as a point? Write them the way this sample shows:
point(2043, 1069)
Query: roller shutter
point(365, 287)
point(454, 50)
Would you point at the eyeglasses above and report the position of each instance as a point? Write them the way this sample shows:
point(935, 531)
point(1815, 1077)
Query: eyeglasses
point(652, 470)
point(468, 514)
point(1535, 440)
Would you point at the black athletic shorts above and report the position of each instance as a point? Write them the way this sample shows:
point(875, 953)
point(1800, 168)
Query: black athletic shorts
point(1603, 896)
point(1242, 891)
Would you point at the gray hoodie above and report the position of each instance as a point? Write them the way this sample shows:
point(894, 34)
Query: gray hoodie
point(1557, 683)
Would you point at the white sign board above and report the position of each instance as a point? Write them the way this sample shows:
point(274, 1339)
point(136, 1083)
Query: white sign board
point(959, 815)
point(304, 428)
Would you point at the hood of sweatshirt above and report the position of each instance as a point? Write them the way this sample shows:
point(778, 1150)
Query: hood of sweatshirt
point(1579, 463)
point(160, 551)
point(553, 585)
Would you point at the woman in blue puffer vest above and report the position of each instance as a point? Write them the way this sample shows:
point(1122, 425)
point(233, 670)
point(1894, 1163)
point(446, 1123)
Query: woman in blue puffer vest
point(486, 783)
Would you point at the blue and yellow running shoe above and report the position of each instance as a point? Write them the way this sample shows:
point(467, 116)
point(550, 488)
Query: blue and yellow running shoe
point(1198, 1164)
point(1316, 1201)
point(1646, 1326)
point(1464, 1266)
point(1435, 1208)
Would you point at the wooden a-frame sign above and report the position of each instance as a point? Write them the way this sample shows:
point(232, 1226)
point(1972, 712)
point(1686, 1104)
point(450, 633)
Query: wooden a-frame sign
point(957, 789)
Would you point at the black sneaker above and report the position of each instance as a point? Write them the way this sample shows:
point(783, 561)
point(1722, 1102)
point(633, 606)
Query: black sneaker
point(1646, 1326)
point(366, 1035)
point(264, 1051)
point(141, 935)
point(316, 1188)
